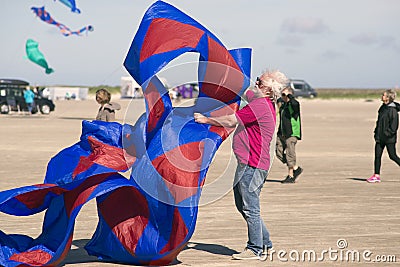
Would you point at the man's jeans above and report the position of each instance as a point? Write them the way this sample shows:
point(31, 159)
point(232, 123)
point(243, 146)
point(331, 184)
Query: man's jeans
point(247, 187)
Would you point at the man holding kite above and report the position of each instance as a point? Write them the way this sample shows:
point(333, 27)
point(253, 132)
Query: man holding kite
point(251, 145)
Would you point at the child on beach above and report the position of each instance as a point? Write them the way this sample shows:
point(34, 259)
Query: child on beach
point(107, 109)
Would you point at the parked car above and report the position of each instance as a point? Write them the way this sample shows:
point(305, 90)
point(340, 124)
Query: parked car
point(12, 98)
point(302, 89)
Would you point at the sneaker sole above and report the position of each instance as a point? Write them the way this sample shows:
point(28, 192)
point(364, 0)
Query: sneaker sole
point(282, 182)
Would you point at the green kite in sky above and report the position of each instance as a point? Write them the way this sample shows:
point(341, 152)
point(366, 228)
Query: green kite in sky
point(34, 55)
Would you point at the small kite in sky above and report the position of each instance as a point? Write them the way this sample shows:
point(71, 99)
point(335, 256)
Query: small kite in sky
point(34, 55)
point(46, 17)
point(71, 4)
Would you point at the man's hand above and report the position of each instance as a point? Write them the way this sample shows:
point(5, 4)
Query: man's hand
point(200, 118)
point(222, 121)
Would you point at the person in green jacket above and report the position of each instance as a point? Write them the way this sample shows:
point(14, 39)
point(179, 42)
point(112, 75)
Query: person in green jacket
point(289, 132)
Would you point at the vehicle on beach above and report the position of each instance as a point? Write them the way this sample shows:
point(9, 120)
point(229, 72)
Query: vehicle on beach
point(12, 98)
point(302, 89)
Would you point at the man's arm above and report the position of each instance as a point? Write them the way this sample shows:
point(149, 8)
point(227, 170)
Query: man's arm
point(394, 123)
point(222, 121)
point(295, 105)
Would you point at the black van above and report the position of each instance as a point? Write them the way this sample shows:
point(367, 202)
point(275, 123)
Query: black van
point(12, 98)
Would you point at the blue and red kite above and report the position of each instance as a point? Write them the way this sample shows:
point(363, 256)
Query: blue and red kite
point(149, 218)
point(46, 17)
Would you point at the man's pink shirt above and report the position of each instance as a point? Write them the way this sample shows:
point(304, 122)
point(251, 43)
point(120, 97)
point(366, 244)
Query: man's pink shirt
point(253, 136)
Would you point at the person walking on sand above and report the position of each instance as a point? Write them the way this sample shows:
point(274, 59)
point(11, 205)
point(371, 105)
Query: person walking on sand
point(385, 133)
point(251, 145)
point(289, 132)
point(107, 109)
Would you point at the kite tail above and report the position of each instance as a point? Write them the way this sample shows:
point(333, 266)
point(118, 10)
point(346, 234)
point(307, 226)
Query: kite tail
point(76, 10)
point(49, 70)
point(86, 29)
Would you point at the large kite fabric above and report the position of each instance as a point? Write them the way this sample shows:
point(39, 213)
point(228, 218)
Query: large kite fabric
point(34, 55)
point(46, 17)
point(149, 218)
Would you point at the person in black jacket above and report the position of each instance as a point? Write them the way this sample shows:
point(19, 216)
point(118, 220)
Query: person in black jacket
point(289, 132)
point(385, 133)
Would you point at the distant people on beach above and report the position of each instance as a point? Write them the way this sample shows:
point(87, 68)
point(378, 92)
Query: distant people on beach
point(29, 97)
point(175, 94)
point(107, 109)
point(289, 132)
point(251, 145)
point(385, 133)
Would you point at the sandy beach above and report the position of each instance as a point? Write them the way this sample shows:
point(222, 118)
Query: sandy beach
point(331, 200)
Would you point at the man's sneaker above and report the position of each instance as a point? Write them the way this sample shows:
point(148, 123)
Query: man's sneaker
point(374, 179)
point(297, 172)
point(264, 254)
point(288, 180)
point(247, 254)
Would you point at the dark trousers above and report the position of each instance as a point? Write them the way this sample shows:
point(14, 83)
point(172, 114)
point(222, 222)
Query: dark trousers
point(391, 148)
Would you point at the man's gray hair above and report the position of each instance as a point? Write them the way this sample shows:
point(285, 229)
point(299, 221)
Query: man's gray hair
point(275, 80)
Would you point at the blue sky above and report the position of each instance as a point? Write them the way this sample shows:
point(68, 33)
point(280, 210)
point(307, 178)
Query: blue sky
point(331, 44)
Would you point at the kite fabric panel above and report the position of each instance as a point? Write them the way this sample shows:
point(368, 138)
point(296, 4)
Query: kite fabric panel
point(46, 17)
point(34, 55)
point(149, 218)
point(71, 4)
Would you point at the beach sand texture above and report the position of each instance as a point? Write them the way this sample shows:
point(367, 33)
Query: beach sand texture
point(330, 201)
